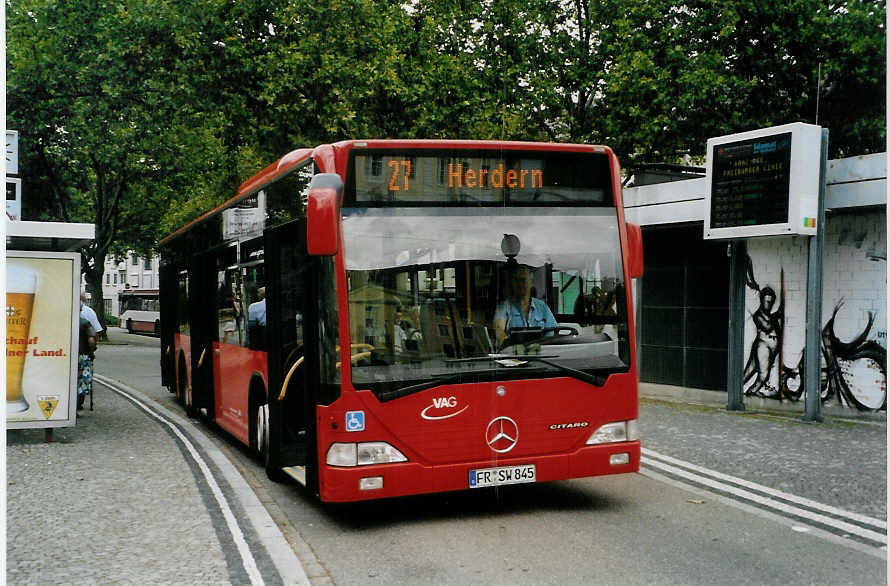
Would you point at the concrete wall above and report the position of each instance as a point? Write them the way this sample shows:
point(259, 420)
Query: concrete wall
point(854, 318)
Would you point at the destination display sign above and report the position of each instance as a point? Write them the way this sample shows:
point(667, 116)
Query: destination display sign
point(751, 182)
point(763, 182)
point(418, 177)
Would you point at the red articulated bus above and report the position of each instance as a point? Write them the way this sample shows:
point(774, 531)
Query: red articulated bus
point(380, 318)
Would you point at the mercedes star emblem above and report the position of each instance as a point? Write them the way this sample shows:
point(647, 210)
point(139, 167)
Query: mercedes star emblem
point(502, 434)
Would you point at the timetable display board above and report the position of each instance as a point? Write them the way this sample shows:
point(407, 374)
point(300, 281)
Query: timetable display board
point(763, 183)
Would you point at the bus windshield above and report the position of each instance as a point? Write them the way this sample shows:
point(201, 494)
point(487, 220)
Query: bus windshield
point(445, 294)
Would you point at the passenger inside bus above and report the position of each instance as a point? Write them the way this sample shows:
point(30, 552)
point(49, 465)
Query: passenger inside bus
point(407, 338)
point(256, 322)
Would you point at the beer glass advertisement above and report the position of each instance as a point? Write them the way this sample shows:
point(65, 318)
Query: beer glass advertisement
point(42, 309)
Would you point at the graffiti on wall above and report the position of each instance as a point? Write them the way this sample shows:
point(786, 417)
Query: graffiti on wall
point(853, 373)
point(769, 326)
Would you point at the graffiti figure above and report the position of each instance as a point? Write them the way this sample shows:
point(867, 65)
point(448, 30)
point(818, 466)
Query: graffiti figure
point(855, 372)
point(767, 339)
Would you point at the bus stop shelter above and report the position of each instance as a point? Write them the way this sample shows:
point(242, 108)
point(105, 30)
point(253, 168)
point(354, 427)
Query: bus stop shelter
point(42, 269)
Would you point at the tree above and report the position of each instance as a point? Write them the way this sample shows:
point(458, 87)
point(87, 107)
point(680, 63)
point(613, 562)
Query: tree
point(654, 80)
point(101, 132)
point(140, 117)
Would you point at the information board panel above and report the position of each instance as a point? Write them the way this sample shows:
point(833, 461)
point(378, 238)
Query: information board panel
point(42, 311)
point(14, 198)
point(751, 180)
point(764, 182)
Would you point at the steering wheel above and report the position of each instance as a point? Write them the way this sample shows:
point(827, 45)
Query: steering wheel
point(571, 331)
point(558, 331)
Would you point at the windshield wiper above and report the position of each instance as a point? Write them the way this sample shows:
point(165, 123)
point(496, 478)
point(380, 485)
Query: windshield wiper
point(434, 381)
point(594, 379)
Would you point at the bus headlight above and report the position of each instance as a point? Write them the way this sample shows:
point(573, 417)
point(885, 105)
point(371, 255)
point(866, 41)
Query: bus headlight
point(363, 454)
point(617, 431)
point(378, 453)
point(341, 455)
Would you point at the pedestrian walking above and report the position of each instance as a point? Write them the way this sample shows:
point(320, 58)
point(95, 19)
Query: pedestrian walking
point(88, 312)
point(86, 352)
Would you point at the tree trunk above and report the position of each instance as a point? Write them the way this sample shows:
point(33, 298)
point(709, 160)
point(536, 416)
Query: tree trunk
point(92, 272)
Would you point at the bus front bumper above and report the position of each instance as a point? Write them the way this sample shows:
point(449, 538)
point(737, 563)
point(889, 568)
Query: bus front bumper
point(402, 479)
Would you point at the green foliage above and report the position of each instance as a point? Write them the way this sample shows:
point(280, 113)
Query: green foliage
point(139, 116)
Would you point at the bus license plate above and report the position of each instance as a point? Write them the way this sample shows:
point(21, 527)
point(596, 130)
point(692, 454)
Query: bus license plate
point(502, 475)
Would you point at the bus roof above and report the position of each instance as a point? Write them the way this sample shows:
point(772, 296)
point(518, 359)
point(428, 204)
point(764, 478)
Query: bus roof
point(296, 157)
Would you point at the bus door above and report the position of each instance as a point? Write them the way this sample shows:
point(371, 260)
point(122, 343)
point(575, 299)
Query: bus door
point(232, 367)
point(293, 351)
point(168, 277)
point(203, 326)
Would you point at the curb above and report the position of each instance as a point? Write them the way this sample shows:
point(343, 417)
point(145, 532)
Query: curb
point(283, 557)
point(752, 404)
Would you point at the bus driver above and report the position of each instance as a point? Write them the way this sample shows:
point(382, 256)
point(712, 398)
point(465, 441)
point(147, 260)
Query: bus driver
point(520, 309)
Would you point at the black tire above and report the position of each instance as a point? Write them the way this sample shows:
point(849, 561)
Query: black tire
point(182, 389)
point(270, 457)
point(181, 382)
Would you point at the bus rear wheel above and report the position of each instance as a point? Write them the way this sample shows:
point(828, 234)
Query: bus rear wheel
point(182, 389)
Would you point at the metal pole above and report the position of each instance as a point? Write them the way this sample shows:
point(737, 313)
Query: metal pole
point(813, 350)
point(736, 337)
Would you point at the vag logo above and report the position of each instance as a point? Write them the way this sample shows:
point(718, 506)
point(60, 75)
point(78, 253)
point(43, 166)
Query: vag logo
point(442, 408)
point(556, 426)
point(440, 402)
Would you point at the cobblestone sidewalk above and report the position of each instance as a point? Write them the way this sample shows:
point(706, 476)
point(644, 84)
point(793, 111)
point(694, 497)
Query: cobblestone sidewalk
point(110, 501)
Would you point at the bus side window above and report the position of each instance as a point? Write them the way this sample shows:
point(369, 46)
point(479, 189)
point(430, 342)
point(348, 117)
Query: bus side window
point(229, 308)
point(255, 306)
point(182, 310)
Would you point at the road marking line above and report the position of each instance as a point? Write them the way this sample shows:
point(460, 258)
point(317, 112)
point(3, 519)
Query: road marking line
point(774, 516)
point(237, 536)
point(880, 538)
point(770, 491)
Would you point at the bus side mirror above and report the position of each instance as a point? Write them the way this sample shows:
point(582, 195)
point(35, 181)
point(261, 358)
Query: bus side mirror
point(635, 250)
point(323, 214)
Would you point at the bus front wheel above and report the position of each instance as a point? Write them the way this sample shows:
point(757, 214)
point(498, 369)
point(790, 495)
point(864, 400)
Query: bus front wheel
point(262, 429)
point(267, 444)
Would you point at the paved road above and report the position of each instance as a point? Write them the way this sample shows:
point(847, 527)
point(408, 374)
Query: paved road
point(630, 530)
point(842, 462)
point(133, 497)
point(77, 508)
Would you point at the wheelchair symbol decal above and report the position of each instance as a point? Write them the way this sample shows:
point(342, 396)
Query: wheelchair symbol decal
point(355, 421)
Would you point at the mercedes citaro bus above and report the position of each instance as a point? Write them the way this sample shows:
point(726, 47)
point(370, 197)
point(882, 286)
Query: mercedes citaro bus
point(379, 318)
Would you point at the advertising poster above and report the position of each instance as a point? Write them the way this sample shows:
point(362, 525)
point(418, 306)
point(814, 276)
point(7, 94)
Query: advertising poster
point(42, 308)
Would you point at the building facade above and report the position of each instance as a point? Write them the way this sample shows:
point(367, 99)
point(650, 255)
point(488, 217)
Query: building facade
point(683, 297)
point(132, 273)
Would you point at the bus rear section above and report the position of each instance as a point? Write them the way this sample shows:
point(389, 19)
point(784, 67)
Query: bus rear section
point(140, 311)
point(490, 342)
